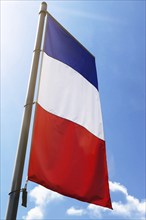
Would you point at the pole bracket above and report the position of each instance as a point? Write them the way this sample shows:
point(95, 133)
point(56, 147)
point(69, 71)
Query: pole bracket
point(29, 104)
point(37, 50)
point(17, 190)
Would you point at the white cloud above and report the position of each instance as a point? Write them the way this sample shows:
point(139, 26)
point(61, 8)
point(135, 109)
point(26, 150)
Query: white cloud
point(41, 196)
point(114, 186)
point(131, 208)
point(74, 211)
point(35, 213)
point(95, 211)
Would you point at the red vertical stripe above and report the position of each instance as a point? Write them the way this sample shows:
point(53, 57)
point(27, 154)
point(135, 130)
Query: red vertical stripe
point(67, 158)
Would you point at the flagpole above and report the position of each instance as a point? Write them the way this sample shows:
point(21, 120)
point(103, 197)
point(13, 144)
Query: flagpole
point(22, 145)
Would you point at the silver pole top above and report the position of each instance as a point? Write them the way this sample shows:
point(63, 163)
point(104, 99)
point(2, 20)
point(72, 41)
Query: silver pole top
point(43, 7)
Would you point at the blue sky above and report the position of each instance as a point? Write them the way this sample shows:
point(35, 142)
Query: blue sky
point(114, 31)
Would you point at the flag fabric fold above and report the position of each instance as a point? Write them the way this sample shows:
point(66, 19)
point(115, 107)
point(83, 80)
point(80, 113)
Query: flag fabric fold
point(68, 152)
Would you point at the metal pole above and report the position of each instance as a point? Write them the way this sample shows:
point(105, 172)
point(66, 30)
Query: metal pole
point(20, 158)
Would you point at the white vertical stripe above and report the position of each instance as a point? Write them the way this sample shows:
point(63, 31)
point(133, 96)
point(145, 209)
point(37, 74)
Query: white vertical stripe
point(66, 93)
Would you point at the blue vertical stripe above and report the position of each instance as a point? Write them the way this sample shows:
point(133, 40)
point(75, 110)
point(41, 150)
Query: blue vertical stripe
point(60, 45)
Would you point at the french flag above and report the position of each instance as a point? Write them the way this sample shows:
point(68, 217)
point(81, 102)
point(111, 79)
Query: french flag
point(68, 152)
